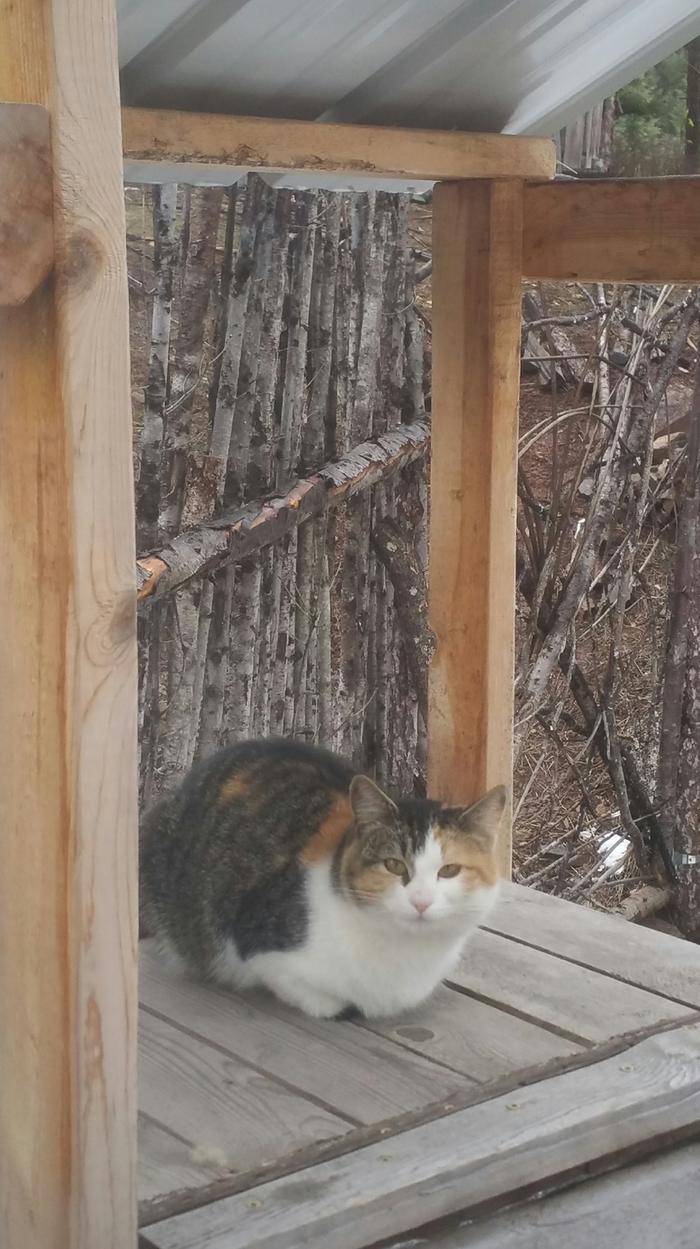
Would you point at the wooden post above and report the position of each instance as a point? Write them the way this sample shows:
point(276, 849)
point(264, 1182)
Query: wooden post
point(67, 667)
point(477, 240)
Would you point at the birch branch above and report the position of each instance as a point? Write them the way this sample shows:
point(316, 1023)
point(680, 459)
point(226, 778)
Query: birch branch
point(256, 525)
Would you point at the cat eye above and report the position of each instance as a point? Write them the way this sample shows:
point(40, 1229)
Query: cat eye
point(450, 869)
point(395, 866)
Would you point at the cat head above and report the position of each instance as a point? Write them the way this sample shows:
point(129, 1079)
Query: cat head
point(421, 863)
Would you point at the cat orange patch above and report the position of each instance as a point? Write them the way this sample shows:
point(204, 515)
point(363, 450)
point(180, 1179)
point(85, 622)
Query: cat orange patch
point(463, 850)
point(237, 786)
point(326, 840)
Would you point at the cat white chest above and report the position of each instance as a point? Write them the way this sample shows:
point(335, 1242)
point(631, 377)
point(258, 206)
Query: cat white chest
point(351, 958)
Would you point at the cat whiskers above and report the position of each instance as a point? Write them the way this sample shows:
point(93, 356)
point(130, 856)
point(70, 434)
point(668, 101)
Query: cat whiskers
point(365, 895)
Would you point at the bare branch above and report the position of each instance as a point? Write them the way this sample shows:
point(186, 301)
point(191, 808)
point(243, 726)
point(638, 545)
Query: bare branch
point(235, 535)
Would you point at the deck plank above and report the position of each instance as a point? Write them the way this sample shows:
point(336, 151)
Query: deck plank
point(654, 1203)
point(473, 1037)
point(165, 1162)
point(641, 956)
point(208, 1097)
point(544, 1133)
point(586, 1003)
point(369, 1080)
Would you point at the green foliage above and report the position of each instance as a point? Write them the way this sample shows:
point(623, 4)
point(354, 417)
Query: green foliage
point(650, 132)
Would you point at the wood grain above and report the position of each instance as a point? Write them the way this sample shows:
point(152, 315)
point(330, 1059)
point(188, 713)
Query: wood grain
point(654, 1203)
point(68, 670)
point(473, 1037)
point(477, 230)
point(540, 1135)
point(26, 201)
point(165, 1162)
point(585, 1003)
point(368, 1079)
point(613, 231)
point(157, 136)
point(204, 1095)
point(641, 956)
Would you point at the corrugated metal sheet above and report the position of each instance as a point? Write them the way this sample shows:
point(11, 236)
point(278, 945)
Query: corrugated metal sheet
point(523, 66)
point(520, 66)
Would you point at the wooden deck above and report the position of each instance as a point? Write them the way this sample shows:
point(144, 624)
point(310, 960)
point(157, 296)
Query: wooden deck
point(567, 1044)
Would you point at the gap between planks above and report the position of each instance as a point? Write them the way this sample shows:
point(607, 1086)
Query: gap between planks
point(666, 966)
point(500, 1147)
point(618, 1205)
point(154, 1211)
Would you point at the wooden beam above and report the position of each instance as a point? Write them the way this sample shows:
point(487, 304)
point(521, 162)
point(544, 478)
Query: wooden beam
point(68, 668)
point(477, 233)
point(26, 209)
point(162, 136)
point(613, 231)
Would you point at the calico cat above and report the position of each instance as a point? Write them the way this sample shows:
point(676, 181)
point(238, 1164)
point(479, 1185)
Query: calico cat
point(276, 864)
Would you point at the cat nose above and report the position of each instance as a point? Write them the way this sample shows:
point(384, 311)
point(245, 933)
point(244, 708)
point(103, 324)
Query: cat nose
point(421, 904)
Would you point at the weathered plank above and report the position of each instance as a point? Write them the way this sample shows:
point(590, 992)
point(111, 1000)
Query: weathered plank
point(654, 1203)
point(583, 1002)
point(157, 136)
point(201, 1093)
point(68, 793)
point(645, 230)
point(533, 1137)
point(166, 1162)
point(368, 1080)
point(26, 201)
point(477, 235)
point(641, 956)
point(473, 1037)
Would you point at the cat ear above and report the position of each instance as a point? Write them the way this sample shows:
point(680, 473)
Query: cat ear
point(482, 820)
point(370, 806)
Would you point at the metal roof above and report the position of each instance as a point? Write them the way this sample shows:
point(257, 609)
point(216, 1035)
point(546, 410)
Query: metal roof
point(519, 66)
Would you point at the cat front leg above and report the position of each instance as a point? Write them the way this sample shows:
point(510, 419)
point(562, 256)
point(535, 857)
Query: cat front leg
point(305, 997)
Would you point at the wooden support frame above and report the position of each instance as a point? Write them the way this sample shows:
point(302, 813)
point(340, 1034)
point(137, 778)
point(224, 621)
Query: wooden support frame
point(641, 230)
point(68, 721)
point(172, 138)
point(68, 666)
point(477, 232)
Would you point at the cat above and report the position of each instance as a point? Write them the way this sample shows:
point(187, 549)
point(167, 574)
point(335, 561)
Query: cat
point(275, 863)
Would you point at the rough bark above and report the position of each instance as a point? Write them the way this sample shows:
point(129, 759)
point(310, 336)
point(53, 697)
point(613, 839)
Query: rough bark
point(678, 788)
point(315, 347)
point(399, 557)
point(258, 524)
point(692, 123)
point(187, 364)
point(675, 670)
point(227, 390)
point(164, 253)
point(628, 446)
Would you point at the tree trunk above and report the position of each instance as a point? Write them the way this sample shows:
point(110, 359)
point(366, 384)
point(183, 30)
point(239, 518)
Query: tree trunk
point(164, 252)
point(678, 789)
point(692, 120)
point(399, 557)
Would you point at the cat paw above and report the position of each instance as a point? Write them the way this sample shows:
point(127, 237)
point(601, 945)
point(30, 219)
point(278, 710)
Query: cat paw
point(306, 998)
point(320, 1005)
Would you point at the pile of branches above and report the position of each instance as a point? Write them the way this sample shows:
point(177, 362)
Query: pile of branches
point(608, 673)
